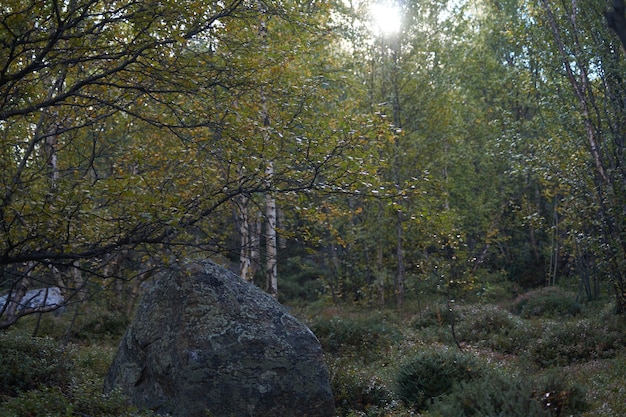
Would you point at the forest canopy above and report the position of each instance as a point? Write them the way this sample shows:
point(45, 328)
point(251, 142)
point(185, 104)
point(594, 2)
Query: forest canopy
point(478, 149)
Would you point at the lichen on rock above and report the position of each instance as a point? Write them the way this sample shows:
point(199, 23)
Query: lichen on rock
point(204, 340)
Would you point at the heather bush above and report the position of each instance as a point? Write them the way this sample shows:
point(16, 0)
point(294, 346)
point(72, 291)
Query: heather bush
point(559, 396)
point(28, 363)
point(81, 400)
point(435, 315)
point(365, 337)
point(490, 396)
point(495, 328)
point(567, 342)
point(433, 373)
point(356, 392)
point(100, 327)
point(546, 302)
point(605, 383)
point(498, 394)
point(40, 378)
point(44, 402)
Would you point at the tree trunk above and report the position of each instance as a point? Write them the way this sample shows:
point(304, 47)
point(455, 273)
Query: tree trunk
point(242, 220)
point(397, 121)
point(380, 267)
point(271, 246)
point(400, 278)
point(380, 275)
point(271, 268)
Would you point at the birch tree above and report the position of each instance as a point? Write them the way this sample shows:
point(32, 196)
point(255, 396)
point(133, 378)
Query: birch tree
point(590, 57)
point(150, 134)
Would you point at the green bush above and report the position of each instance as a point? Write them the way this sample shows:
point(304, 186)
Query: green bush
point(605, 382)
point(437, 315)
point(354, 391)
point(495, 328)
point(366, 337)
point(564, 343)
point(95, 360)
point(28, 363)
point(100, 327)
point(546, 302)
point(561, 398)
point(94, 325)
point(85, 399)
point(433, 373)
point(497, 394)
point(300, 279)
point(490, 396)
point(39, 378)
point(495, 286)
point(45, 402)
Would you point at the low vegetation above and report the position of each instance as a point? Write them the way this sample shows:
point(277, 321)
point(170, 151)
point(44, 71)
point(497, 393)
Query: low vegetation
point(499, 361)
point(61, 372)
point(542, 354)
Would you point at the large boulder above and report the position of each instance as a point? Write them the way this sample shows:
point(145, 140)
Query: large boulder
point(42, 298)
point(205, 342)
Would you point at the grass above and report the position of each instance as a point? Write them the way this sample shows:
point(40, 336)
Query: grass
point(382, 363)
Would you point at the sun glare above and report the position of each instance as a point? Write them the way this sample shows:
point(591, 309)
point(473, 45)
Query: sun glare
point(386, 16)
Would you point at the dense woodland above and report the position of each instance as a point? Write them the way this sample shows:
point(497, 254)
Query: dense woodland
point(478, 148)
point(474, 153)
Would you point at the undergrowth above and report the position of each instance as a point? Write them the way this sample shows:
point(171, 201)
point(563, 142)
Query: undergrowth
point(515, 360)
point(56, 376)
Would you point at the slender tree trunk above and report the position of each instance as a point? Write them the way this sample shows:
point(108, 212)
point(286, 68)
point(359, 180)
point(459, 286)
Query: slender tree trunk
point(380, 275)
point(242, 220)
point(271, 268)
point(271, 246)
point(400, 262)
point(554, 247)
point(380, 267)
point(397, 120)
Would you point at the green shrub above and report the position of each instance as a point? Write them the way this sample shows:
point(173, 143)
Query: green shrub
point(433, 373)
point(490, 396)
point(605, 382)
point(492, 327)
point(95, 360)
point(495, 286)
point(100, 327)
point(564, 343)
point(364, 336)
point(301, 281)
point(85, 399)
point(561, 398)
point(46, 402)
point(437, 315)
point(497, 394)
point(40, 378)
point(354, 391)
point(546, 302)
point(28, 363)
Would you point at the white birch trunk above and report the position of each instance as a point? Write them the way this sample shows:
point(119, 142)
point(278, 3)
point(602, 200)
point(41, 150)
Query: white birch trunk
point(243, 221)
point(271, 266)
point(271, 247)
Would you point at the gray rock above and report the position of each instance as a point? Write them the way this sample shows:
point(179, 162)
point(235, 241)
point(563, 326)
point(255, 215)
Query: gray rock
point(44, 298)
point(204, 340)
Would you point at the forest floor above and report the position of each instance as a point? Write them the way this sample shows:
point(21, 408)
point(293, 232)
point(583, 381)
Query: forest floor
point(542, 355)
point(543, 348)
